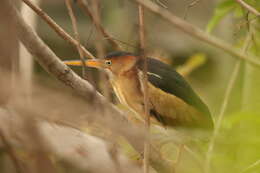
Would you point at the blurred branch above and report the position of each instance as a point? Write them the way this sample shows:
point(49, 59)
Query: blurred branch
point(41, 139)
point(197, 33)
point(57, 28)
point(25, 59)
point(147, 144)
point(161, 4)
point(10, 152)
point(100, 49)
point(84, 6)
point(221, 115)
point(35, 144)
point(255, 164)
point(248, 7)
point(52, 64)
point(76, 35)
point(224, 104)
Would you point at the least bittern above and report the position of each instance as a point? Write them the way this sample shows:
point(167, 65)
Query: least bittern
point(172, 101)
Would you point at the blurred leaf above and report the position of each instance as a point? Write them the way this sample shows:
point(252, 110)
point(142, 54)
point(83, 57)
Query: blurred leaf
point(239, 12)
point(245, 118)
point(193, 63)
point(238, 143)
point(220, 11)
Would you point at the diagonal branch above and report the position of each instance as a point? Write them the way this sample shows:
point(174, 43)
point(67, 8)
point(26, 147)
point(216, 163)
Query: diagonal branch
point(198, 33)
point(82, 4)
point(10, 151)
point(52, 64)
point(248, 7)
point(57, 28)
point(76, 35)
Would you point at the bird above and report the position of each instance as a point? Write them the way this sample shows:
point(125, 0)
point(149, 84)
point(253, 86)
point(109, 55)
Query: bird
point(172, 101)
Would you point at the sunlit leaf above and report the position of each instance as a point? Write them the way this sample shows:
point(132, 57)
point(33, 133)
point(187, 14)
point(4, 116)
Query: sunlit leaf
point(220, 11)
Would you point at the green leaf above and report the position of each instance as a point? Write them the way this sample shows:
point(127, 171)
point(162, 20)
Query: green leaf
point(221, 11)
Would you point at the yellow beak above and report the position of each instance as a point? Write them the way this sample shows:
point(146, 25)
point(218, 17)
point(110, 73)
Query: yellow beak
point(90, 63)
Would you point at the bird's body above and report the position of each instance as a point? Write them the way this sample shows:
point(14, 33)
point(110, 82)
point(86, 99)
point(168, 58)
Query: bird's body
point(172, 101)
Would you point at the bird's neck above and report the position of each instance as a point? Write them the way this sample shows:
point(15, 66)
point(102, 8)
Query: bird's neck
point(127, 86)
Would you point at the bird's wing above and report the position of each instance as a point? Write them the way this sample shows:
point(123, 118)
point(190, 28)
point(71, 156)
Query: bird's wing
point(162, 76)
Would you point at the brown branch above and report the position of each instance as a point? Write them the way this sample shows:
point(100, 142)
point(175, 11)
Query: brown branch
point(52, 64)
point(82, 4)
point(41, 139)
point(57, 28)
point(145, 85)
point(10, 152)
point(248, 7)
point(198, 33)
point(99, 46)
point(76, 35)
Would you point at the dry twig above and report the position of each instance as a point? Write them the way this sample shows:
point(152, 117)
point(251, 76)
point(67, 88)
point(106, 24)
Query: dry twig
point(100, 28)
point(76, 35)
point(248, 7)
point(52, 64)
point(57, 28)
point(145, 85)
point(100, 49)
point(198, 33)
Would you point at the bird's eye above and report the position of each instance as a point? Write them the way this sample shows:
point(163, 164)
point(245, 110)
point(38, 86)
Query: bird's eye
point(108, 62)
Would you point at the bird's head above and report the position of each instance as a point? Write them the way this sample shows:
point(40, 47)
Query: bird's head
point(115, 62)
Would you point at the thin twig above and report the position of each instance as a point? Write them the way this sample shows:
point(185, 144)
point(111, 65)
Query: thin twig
point(82, 4)
point(76, 35)
point(52, 64)
point(125, 43)
point(11, 153)
point(198, 33)
point(192, 4)
point(161, 4)
point(57, 28)
point(145, 85)
point(103, 83)
point(221, 115)
point(248, 7)
point(251, 166)
point(224, 105)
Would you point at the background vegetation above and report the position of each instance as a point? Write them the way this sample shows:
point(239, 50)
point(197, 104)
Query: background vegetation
point(229, 84)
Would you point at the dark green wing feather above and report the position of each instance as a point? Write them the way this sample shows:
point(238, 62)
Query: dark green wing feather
point(167, 79)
